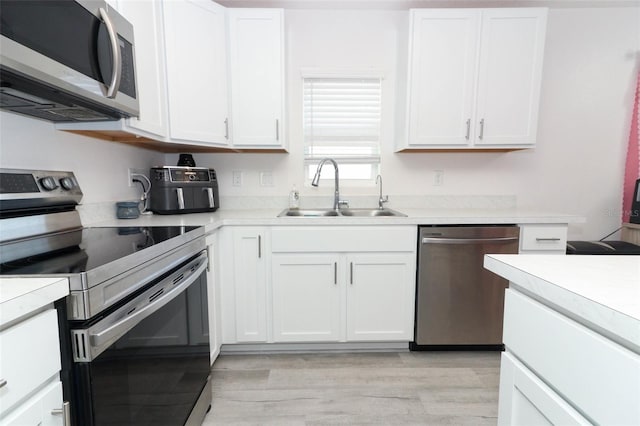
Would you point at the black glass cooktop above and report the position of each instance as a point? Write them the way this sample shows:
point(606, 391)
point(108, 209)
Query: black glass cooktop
point(83, 250)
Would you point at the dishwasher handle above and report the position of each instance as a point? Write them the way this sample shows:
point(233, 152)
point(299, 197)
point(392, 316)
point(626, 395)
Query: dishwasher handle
point(443, 240)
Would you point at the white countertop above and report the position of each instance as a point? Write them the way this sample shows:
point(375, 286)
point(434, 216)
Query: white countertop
point(19, 297)
point(268, 217)
point(602, 292)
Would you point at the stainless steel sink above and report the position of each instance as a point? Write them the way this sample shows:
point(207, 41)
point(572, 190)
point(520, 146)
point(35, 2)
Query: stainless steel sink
point(371, 212)
point(309, 213)
point(342, 212)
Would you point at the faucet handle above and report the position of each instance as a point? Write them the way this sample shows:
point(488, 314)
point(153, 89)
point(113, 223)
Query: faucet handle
point(382, 200)
point(343, 203)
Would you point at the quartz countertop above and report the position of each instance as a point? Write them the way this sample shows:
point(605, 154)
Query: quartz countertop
point(601, 292)
point(19, 297)
point(269, 217)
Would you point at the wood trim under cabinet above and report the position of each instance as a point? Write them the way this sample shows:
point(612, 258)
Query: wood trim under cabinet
point(166, 147)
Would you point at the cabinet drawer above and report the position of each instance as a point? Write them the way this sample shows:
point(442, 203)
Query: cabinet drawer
point(543, 238)
point(29, 357)
point(570, 357)
point(39, 409)
point(343, 239)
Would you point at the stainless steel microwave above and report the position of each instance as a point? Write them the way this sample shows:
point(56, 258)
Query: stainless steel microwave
point(66, 60)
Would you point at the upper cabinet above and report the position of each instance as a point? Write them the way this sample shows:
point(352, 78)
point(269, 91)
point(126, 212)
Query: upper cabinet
point(196, 72)
point(474, 78)
point(256, 53)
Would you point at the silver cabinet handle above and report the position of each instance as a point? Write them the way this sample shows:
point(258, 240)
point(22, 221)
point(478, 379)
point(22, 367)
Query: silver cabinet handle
point(65, 411)
point(468, 240)
point(481, 129)
point(468, 129)
point(351, 273)
point(547, 239)
point(226, 128)
point(180, 195)
point(116, 72)
point(3, 383)
point(277, 129)
point(259, 246)
point(335, 273)
point(209, 192)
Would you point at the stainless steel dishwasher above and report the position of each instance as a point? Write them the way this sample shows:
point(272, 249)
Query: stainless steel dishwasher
point(459, 304)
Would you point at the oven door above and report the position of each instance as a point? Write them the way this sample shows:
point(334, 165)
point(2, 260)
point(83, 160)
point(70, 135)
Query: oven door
point(147, 362)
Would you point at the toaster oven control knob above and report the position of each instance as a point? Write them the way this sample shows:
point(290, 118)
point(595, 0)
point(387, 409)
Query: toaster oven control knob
point(48, 183)
point(67, 183)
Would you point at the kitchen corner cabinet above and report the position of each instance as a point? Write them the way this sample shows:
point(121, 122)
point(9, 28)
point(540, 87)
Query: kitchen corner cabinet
point(256, 53)
point(195, 43)
point(337, 284)
point(244, 272)
point(474, 78)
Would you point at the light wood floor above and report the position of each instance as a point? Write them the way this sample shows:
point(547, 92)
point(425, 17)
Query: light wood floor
point(406, 388)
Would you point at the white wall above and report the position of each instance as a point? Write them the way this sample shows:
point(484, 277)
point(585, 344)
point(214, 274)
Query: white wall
point(585, 110)
point(100, 167)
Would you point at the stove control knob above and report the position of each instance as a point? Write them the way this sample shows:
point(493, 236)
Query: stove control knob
point(67, 183)
point(48, 183)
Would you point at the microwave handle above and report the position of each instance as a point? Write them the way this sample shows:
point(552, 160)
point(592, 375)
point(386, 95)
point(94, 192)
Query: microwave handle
point(116, 71)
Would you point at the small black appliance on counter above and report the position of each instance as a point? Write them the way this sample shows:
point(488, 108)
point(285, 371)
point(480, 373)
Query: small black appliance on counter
point(634, 217)
point(179, 189)
point(602, 247)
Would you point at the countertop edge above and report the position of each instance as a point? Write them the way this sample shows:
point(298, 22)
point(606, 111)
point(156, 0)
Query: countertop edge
point(20, 297)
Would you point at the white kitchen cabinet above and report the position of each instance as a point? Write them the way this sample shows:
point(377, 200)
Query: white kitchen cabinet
point(337, 284)
point(244, 272)
point(29, 371)
point(474, 78)
point(380, 296)
point(195, 42)
point(573, 375)
point(213, 296)
point(527, 400)
point(543, 239)
point(256, 52)
point(306, 297)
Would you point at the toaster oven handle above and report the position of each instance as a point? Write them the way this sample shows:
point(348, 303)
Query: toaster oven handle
point(209, 192)
point(116, 70)
point(180, 196)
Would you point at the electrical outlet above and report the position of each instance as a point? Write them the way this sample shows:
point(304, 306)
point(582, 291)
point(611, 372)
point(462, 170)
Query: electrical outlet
point(132, 171)
point(438, 178)
point(236, 178)
point(266, 178)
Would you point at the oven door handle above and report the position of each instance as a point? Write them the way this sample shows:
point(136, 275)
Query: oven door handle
point(106, 332)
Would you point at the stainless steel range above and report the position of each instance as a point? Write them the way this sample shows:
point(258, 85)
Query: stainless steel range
point(134, 330)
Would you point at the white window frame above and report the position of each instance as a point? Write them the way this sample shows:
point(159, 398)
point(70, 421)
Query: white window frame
point(372, 159)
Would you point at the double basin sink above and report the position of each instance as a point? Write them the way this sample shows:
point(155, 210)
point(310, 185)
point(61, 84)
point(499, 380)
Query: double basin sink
point(341, 212)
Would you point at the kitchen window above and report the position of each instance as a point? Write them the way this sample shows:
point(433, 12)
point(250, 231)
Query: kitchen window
point(341, 119)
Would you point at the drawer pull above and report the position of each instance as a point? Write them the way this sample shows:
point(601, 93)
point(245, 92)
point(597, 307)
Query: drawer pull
point(547, 239)
point(3, 383)
point(65, 412)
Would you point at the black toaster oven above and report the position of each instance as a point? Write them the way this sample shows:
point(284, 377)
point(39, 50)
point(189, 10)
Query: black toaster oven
point(177, 190)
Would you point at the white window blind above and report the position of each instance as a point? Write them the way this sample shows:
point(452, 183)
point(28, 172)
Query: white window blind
point(342, 121)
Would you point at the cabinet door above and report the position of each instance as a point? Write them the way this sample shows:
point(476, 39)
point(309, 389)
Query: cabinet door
point(146, 17)
point(306, 297)
point(256, 49)
point(43, 409)
point(196, 71)
point(527, 400)
point(509, 78)
point(380, 296)
point(213, 296)
point(444, 44)
point(250, 284)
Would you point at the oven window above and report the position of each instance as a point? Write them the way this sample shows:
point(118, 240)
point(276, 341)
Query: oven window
point(154, 374)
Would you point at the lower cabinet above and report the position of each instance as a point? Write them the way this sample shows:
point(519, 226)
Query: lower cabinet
point(336, 285)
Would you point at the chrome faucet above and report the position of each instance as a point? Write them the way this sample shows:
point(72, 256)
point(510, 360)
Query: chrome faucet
point(382, 199)
point(316, 179)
